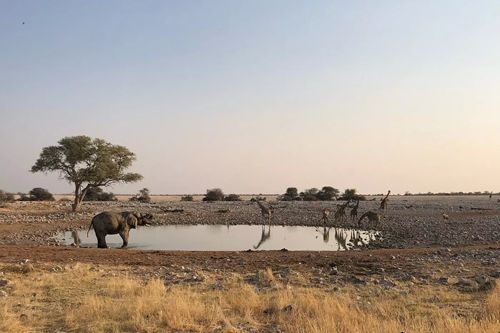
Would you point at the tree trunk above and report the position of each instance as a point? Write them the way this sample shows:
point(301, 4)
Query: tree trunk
point(78, 198)
point(76, 205)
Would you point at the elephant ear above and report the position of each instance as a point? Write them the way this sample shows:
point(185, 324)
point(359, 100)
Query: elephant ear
point(132, 220)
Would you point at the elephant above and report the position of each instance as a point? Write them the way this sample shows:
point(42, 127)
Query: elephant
point(111, 223)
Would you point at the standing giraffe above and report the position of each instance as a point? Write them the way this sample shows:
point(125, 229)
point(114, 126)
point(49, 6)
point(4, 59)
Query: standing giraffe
point(326, 214)
point(340, 213)
point(383, 204)
point(266, 212)
point(354, 211)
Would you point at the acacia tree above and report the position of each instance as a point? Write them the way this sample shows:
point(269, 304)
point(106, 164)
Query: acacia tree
point(86, 163)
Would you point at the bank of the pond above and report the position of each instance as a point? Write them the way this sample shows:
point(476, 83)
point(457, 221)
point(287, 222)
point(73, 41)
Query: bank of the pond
point(411, 222)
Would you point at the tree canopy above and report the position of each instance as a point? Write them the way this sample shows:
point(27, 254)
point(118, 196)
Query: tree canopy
point(86, 163)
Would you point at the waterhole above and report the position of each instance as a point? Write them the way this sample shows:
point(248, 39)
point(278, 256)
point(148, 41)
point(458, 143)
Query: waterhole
point(230, 238)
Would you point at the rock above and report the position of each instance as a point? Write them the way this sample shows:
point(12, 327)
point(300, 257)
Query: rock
point(334, 271)
point(217, 286)
point(407, 278)
point(23, 316)
point(269, 311)
point(4, 282)
point(433, 299)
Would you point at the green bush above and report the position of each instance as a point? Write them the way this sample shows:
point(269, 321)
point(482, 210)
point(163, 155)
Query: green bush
point(40, 194)
point(350, 194)
point(309, 194)
point(327, 193)
point(291, 194)
point(214, 194)
point(187, 198)
point(97, 194)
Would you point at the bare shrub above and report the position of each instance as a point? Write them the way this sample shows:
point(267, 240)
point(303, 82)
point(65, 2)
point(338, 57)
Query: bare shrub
point(232, 197)
point(187, 198)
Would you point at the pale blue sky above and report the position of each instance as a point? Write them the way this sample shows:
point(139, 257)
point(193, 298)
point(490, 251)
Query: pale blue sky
point(257, 96)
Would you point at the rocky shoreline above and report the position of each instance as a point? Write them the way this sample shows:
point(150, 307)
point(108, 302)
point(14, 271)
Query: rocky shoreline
point(411, 222)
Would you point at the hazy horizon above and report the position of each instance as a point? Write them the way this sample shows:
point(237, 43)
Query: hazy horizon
point(254, 97)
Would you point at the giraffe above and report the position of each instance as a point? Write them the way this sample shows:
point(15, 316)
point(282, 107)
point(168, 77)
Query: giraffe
point(383, 204)
point(326, 214)
point(340, 213)
point(354, 211)
point(372, 217)
point(264, 237)
point(266, 212)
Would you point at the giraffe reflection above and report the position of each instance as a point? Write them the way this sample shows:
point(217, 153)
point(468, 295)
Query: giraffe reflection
point(341, 238)
point(325, 233)
point(264, 237)
point(266, 213)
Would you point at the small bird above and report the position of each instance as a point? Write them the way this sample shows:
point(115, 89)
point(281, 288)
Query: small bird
point(23, 22)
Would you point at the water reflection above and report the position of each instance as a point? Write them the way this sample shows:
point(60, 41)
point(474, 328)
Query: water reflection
point(325, 233)
point(264, 237)
point(230, 238)
point(76, 238)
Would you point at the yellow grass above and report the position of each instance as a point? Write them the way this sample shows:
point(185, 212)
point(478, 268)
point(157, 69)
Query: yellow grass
point(79, 300)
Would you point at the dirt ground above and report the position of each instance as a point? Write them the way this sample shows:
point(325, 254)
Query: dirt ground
point(23, 227)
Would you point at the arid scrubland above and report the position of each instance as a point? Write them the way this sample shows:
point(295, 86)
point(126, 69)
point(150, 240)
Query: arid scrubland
point(432, 275)
point(83, 298)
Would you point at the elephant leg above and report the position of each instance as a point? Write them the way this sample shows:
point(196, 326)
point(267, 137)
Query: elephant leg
point(101, 241)
point(124, 236)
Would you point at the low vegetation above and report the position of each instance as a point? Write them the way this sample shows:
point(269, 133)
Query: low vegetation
point(350, 194)
point(327, 193)
point(97, 194)
point(143, 196)
point(6, 197)
point(232, 197)
point(77, 298)
point(37, 194)
point(214, 194)
point(187, 198)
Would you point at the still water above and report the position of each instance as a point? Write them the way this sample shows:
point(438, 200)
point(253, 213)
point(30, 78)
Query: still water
point(231, 238)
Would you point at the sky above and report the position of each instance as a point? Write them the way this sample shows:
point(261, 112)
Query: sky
point(257, 96)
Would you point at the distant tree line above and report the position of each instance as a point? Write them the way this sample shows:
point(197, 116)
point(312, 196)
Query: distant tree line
point(407, 193)
point(216, 194)
point(327, 193)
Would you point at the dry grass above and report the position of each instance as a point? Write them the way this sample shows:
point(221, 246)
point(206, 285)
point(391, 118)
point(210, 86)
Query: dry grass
point(79, 300)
